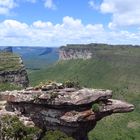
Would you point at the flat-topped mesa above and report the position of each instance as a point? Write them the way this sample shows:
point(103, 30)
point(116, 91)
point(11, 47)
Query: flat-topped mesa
point(82, 51)
point(70, 110)
point(92, 51)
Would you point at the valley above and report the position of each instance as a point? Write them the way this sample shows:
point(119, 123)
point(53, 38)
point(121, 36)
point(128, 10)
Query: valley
point(115, 68)
point(109, 67)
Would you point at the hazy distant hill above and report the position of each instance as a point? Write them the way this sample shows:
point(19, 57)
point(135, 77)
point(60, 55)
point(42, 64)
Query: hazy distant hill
point(37, 57)
point(6, 49)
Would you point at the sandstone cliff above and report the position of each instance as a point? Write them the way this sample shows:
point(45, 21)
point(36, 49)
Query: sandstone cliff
point(74, 111)
point(75, 52)
point(12, 70)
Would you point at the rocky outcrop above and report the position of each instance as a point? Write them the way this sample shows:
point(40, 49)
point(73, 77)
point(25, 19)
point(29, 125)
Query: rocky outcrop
point(16, 77)
point(12, 70)
point(74, 111)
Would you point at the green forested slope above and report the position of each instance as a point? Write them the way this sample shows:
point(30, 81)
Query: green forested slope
point(117, 69)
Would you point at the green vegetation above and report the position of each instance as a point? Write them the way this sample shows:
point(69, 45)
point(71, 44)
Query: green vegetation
point(96, 107)
point(56, 135)
point(12, 128)
point(71, 84)
point(9, 61)
point(116, 68)
point(8, 86)
point(107, 66)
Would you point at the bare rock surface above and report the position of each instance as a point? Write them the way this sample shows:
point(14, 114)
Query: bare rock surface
point(66, 53)
point(70, 110)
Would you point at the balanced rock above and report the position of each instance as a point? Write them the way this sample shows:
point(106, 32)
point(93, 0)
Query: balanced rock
point(70, 110)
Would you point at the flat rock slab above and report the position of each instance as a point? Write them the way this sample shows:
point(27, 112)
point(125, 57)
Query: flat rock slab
point(61, 97)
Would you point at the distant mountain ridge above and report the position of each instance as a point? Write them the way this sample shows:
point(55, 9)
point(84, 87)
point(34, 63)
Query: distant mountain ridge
point(47, 51)
point(6, 49)
point(37, 57)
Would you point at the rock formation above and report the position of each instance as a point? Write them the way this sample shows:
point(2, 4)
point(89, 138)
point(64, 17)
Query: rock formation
point(74, 111)
point(12, 70)
point(72, 52)
point(18, 77)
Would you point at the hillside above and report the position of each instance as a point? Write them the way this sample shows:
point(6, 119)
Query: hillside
point(114, 65)
point(116, 68)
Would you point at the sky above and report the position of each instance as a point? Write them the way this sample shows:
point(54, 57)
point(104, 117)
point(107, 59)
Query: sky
point(61, 22)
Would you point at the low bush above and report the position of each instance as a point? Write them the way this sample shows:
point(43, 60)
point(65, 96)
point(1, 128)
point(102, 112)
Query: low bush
point(96, 107)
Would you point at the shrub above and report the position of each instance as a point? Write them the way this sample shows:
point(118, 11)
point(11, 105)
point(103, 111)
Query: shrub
point(12, 128)
point(96, 107)
point(71, 84)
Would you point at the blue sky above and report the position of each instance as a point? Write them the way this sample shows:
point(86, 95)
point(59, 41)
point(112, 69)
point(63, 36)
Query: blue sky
point(59, 22)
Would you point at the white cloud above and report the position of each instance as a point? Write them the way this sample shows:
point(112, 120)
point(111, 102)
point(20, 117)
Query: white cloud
point(6, 6)
point(93, 5)
point(40, 24)
point(50, 4)
point(13, 29)
point(124, 12)
point(71, 30)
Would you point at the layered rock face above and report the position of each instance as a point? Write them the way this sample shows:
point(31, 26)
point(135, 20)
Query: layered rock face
point(55, 107)
point(67, 53)
point(18, 77)
point(12, 70)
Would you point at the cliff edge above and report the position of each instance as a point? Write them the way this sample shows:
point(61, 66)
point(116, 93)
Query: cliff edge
point(93, 50)
point(12, 69)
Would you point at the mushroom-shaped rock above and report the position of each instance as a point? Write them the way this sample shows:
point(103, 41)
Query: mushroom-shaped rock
point(67, 109)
